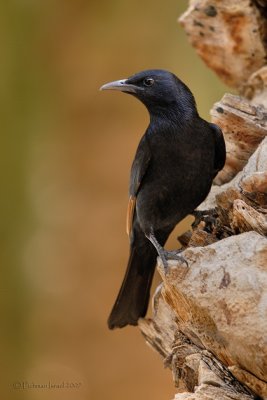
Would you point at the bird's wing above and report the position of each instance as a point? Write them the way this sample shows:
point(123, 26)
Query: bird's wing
point(220, 152)
point(139, 168)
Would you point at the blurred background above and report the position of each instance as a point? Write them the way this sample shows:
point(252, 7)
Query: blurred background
point(66, 153)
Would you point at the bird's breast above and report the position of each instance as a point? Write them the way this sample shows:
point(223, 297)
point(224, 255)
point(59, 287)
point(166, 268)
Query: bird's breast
point(178, 179)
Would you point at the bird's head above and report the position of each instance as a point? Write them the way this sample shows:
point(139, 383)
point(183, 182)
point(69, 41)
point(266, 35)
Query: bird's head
point(159, 90)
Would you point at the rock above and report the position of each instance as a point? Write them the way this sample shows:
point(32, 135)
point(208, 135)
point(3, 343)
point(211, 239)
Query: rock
point(244, 126)
point(246, 218)
point(229, 36)
point(254, 171)
point(256, 87)
point(216, 310)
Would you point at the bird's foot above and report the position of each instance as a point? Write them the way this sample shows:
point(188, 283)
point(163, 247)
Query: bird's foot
point(203, 215)
point(172, 255)
point(166, 255)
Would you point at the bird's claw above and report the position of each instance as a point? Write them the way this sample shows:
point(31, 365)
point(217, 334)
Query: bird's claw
point(172, 255)
point(203, 215)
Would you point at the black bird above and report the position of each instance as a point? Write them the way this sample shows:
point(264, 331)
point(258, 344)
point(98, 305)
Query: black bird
point(172, 173)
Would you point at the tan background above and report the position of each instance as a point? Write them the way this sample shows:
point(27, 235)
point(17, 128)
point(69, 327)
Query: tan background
point(66, 152)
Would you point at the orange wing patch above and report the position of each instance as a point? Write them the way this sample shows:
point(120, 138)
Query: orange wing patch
point(130, 214)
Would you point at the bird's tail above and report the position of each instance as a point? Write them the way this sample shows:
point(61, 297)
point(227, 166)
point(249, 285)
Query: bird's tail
point(132, 301)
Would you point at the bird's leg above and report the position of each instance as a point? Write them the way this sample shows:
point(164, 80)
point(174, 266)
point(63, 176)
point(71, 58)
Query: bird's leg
point(165, 255)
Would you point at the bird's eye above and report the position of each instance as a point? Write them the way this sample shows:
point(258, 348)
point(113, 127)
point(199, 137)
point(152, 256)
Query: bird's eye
point(148, 81)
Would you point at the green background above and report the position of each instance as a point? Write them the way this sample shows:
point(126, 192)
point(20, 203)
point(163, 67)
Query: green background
point(66, 151)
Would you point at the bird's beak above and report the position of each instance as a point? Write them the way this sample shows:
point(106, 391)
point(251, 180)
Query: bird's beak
point(121, 85)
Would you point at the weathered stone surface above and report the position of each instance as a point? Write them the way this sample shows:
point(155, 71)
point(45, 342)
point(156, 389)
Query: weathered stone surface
point(245, 218)
point(244, 126)
point(255, 171)
point(255, 384)
point(254, 187)
point(215, 309)
point(256, 87)
point(232, 327)
point(162, 340)
point(210, 392)
point(228, 36)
